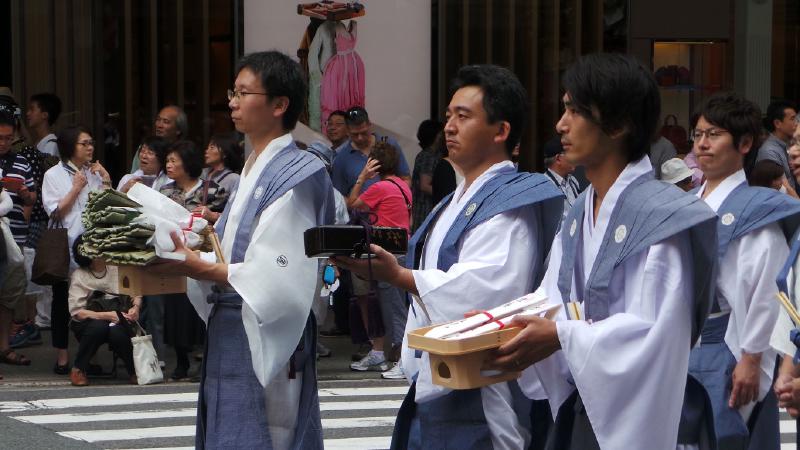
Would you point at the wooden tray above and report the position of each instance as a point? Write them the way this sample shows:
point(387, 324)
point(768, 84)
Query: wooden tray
point(456, 364)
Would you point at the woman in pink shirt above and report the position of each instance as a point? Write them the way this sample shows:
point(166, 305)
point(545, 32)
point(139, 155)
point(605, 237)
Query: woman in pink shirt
point(389, 200)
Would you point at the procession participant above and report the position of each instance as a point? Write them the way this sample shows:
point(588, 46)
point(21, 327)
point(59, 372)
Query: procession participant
point(734, 361)
point(258, 388)
point(633, 265)
point(489, 239)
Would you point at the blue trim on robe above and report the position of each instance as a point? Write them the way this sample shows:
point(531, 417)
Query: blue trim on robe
point(283, 172)
point(456, 420)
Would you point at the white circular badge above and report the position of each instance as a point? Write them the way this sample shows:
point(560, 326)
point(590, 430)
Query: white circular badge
point(620, 233)
point(728, 219)
point(573, 227)
point(471, 209)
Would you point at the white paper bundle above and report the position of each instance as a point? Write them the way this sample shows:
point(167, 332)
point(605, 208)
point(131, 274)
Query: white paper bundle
point(499, 324)
point(167, 217)
point(526, 302)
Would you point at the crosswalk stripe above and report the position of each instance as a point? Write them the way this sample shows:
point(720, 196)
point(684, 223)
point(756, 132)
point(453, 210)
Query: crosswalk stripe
point(113, 400)
point(347, 406)
point(363, 442)
point(109, 416)
point(358, 422)
point(349, 392)
point(158, 448)
point(110, 400)
point(130, 433)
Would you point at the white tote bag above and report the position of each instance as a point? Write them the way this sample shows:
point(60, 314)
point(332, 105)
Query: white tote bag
point(145, 359)
point(14, 254)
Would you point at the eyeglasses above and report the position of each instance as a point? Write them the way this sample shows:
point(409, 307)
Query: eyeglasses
point(239, 94)
point(712, 134)
point(86, 143)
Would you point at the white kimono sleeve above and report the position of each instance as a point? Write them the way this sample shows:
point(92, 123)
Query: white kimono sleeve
point(630, 368)
point(747, 276)
point(276, 281)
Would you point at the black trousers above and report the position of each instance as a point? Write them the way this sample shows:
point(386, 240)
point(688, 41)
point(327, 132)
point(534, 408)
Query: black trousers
point(93, 333)
point(341, 302)
point(59, 315)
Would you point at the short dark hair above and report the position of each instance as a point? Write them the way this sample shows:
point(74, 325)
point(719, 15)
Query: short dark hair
point(49, 103)
point(8, 119)
point(159, 146)
point(356, 115)
point(67, 140)
point(386, 155)
point(280, 77)
point(232, 151)
point(777, 111)
point(615, 91)
point(427, 131)
point(764, 173)
point(738, 116)
point(504, 97)
point(80, 259)
point(338, 112)
point(191, 158)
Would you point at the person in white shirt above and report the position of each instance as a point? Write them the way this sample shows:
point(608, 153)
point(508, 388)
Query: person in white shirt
point(152, 162)
point(734, 361)
point(42, 114)
point(65, 192)
point(258, 386)
point(632, 267)
point(483, 245)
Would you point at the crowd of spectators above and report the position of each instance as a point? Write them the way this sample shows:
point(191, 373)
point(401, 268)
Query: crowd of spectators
point(48, 175)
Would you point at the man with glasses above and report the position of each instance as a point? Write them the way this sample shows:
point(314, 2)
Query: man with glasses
point(258, 387)
point(734, 362)
point(353, 156)
point(781, 122)
point(170, 124)
point(336, 129)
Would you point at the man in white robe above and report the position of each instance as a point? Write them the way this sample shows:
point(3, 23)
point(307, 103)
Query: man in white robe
point(630, 266)
point(754, 225)
point(479, 248)
point(263, 398)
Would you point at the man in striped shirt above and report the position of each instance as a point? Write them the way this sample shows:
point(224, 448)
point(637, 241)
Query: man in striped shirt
point(560, 171)
point(18, 181)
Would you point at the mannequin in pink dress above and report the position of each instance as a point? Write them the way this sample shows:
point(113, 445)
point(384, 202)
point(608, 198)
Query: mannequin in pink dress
point(343, 77)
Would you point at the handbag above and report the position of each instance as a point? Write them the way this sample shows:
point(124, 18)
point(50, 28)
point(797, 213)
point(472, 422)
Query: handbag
point(14, 255)
point(675, 134)
point(145, 359)
point(51, 263)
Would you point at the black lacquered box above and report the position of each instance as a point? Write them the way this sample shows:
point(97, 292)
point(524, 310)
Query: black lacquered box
point(350, 240)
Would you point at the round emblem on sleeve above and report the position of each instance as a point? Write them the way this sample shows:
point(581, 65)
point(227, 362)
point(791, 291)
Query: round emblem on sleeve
point(258, 193)
point(620, 233)
point(471, 209)
point(728, 219)
point(282, 261)
point(573, 227)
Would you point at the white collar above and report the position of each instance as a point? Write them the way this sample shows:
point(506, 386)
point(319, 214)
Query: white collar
point(258, 162)
point(630, 173)
point(723, 190)
point(495, 169)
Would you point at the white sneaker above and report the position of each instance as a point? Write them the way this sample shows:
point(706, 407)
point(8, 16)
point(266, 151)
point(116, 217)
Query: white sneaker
point(395, 373)
point(372, 362)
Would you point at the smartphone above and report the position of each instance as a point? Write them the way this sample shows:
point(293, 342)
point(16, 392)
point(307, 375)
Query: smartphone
point(147, 180)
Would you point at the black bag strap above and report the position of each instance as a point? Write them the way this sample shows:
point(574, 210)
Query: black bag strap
point(403, 193)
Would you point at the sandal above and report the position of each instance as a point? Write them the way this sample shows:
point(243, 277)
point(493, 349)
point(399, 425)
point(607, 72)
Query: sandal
point(17, 360)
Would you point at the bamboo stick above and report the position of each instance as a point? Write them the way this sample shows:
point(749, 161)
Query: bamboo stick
point(787, 305)
point(217, 246)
